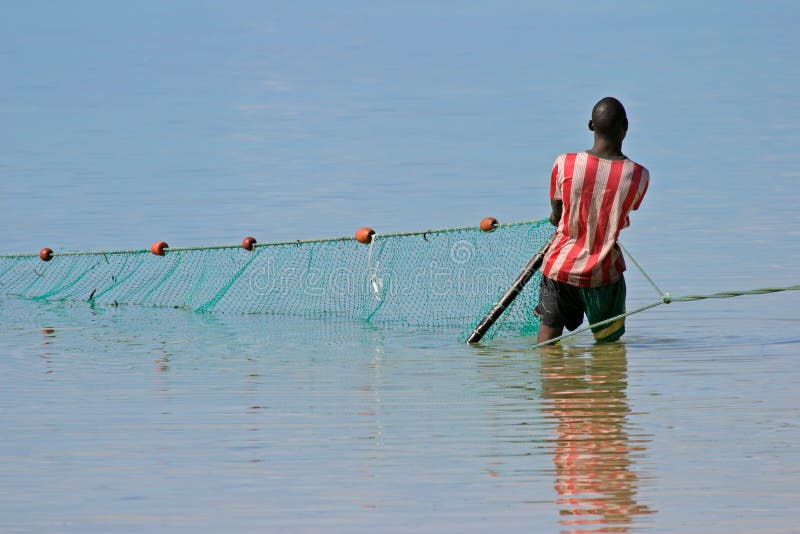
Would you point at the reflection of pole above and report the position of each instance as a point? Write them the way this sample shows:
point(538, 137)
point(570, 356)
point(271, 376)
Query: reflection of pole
point(595, 480)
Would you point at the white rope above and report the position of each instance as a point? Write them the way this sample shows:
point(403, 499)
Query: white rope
point(375, 280)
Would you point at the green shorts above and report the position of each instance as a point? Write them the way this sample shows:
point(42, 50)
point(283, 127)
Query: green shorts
point(562, 305)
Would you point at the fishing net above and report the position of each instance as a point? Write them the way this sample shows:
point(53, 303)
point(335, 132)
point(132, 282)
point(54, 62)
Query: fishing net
point(439, 278)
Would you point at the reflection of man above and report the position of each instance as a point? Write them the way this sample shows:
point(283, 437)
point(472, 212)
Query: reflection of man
point(595, 480)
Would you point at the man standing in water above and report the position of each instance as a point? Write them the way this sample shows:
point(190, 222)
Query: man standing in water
point(592, 194)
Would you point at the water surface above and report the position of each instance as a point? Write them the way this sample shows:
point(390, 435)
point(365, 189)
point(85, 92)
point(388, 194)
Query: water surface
point(197, 123)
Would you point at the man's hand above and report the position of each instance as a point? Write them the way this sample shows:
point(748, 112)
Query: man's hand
point(557, 207)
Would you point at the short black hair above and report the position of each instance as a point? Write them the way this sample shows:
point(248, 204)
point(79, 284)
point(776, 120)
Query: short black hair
point(609, 117)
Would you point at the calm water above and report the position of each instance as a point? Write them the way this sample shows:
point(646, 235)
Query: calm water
point(199, 123)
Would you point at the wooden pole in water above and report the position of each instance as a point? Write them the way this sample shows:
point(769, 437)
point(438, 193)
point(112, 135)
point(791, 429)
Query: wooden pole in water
point(508, 297)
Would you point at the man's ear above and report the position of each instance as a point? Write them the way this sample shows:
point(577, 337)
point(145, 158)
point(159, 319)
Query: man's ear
point(591, 125)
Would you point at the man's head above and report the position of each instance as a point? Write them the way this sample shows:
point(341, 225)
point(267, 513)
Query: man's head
point(609, 119)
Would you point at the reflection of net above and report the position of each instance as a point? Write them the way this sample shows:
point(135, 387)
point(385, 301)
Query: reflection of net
point(447, 277)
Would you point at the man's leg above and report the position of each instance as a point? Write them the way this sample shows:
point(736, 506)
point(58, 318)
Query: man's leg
point(604, 303)
point(559, 305)
point(547, 333)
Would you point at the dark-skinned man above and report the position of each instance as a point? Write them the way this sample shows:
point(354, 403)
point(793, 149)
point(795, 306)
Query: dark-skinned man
point(592, 194)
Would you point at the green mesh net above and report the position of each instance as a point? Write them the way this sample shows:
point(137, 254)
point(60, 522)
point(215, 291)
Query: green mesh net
point(439, 278)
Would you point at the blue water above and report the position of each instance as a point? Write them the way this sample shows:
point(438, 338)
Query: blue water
point(199, 123)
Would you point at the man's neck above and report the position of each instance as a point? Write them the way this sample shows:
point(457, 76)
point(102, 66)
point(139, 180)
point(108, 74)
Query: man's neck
point(603, 148)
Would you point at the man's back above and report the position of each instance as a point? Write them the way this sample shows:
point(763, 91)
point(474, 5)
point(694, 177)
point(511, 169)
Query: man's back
point(598, 195)
point(591, 195)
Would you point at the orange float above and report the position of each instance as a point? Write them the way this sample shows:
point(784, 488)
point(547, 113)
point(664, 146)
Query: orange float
point(364, 235)
point(249, 242)
point(46, 254)
point(158, 248)
point(488, 224)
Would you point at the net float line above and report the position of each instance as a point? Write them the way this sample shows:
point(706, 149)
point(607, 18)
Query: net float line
point(445, 277)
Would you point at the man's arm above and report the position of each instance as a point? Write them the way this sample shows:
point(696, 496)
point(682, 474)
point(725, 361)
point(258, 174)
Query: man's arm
point(557, 206)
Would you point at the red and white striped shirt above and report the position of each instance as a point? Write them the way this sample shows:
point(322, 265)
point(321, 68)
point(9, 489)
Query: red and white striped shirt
point(598, 195)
